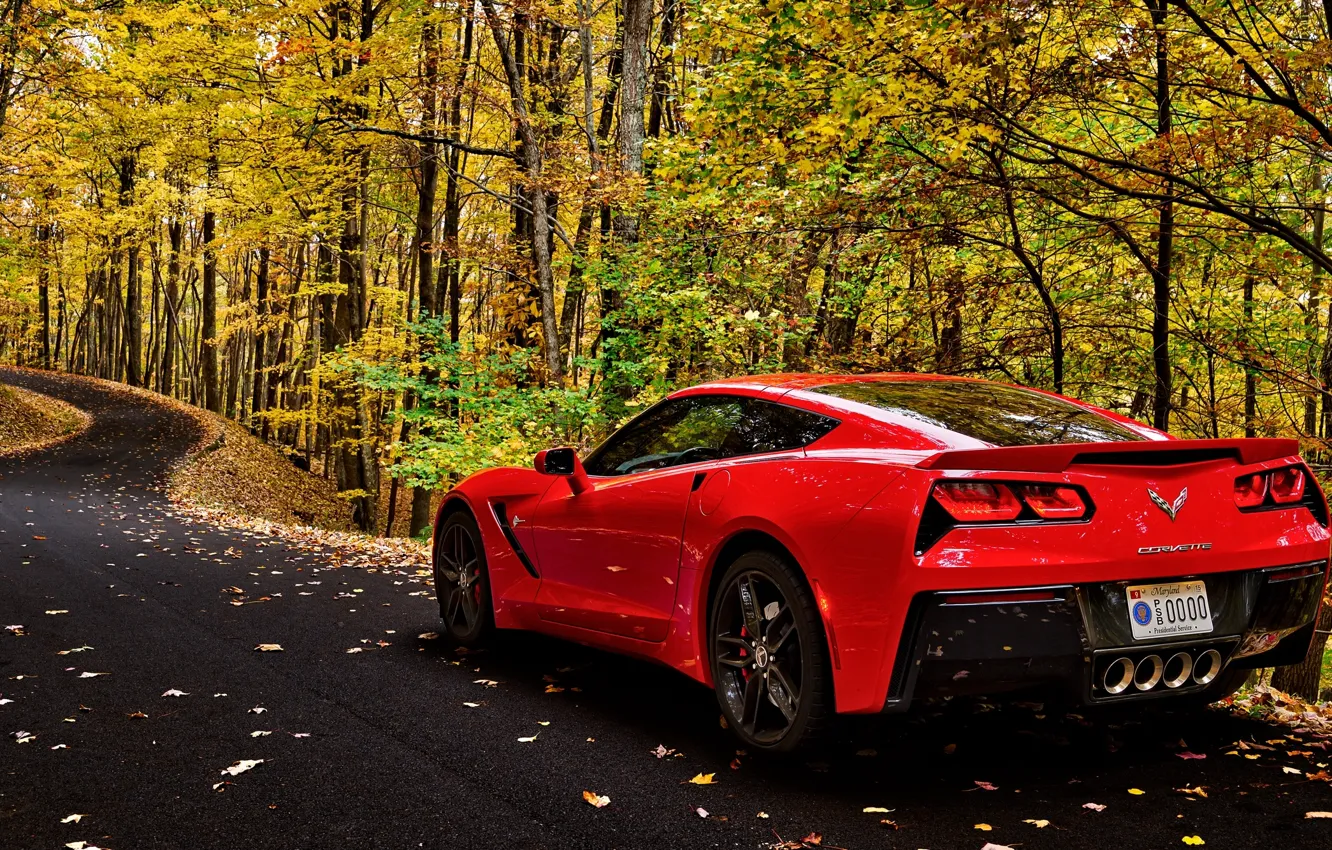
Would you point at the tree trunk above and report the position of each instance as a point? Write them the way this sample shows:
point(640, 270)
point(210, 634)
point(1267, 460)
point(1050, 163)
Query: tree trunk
point(533, 165)
point(166, 377)
point(44, 288)
point(1304, 679)
point(1165, 233)
point(212, 390)
point(133, 315)
point(633, 82)
point(259, 365)
point(1250, 374)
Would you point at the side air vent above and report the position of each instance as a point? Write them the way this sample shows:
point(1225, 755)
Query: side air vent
point(502, 517)
point(1158, 457)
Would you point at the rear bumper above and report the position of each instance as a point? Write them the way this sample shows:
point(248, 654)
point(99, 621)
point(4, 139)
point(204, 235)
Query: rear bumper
point(1069, 636)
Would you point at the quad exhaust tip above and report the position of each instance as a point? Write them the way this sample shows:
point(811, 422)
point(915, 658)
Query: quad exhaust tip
point(1150, 671)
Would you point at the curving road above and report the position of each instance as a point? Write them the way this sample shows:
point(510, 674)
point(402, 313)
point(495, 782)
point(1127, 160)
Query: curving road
point(378, 749)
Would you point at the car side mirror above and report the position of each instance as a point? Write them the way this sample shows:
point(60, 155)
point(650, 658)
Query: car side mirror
point(563, 461)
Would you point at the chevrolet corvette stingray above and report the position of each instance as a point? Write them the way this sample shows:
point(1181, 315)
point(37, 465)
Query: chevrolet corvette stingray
point(811, 545)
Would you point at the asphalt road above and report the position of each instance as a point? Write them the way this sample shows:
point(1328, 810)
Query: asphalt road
point(378, 748)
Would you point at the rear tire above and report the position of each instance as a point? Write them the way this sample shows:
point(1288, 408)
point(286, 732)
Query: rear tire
point(462, 581)
point(768, 655)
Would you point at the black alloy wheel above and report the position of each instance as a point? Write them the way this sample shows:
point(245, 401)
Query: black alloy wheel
point(768, 654)
point(461, 582)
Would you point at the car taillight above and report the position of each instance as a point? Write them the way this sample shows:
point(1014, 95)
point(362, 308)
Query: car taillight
point(1250, 490)
point(1286, 485)
point(1053, 502)
point(977, 501)
point(1279, 488)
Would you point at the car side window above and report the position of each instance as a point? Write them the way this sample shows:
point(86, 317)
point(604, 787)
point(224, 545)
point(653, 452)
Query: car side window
point(700, 428)
point(683, 430)
point(771, 427)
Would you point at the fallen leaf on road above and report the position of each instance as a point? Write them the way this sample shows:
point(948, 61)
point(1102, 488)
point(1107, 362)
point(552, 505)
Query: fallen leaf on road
point(985, 786)
point(259, 733)
point(704, 779)
point(701, 812)
point(553, 689)
point(764, 815)
point(1193, 840)
point(989, 846)
point(1193, 792)
point(1294, 770)
point(72, 818)
point(984, 827)
point(486, 683)
point(241, 766)
point(1039, 824)
point(58, 611)
point(1318, 814)
point(875, 810)
point(137, 714)
point(38, 537)
point(528, 740)
point(86, 675)
point(1095, 807)
point(949, 749)
point(594, 799)
point(268, 647)
point(1187, 755)
point(75, 649)
point(174, 693)
point(472, 704)
point(1137, 792)
point(258, 709)
point(428, 636)
point(354, 650)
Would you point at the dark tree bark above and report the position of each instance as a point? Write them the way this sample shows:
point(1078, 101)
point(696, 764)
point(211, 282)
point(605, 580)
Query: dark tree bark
point(133, 315)
point(1250, 373)
point(212, 389)
point(1165, 233)
point(259, 365)
point(44, 231)
point(166, 377)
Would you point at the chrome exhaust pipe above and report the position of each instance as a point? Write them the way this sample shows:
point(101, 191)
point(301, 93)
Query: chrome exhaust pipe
point(1178, 670)
point(1118, 676)
point(1153, 667)
point(1207, 667)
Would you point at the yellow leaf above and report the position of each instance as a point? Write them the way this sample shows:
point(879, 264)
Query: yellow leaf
point(1137, 792)
point(704, 779)
point(876, 809)
point(1193, 840)
point(1039, 824)
point(984, 827)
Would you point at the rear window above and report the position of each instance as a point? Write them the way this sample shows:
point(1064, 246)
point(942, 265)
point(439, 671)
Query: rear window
point(991, 413)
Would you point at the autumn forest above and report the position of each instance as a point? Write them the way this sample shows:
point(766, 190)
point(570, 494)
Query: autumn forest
point(405, 239)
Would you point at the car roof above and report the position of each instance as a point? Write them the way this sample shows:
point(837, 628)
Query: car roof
point(809, 380)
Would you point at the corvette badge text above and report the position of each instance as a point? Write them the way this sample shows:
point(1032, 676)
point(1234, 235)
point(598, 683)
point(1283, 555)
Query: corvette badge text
point(1183, 547)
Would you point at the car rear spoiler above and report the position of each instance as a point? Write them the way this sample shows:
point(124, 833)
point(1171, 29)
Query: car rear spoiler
point(1057, 458)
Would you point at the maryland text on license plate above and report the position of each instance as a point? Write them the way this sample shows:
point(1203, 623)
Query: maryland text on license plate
point(1168, 609)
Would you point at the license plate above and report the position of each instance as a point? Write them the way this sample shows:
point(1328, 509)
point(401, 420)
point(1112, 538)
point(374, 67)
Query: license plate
point(1168, 610)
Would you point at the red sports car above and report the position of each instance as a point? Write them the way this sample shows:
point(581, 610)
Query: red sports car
point(819, 544)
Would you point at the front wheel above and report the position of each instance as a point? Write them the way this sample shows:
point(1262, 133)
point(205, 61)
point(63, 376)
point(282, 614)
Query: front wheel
point(462, 583)
point(769, 658)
